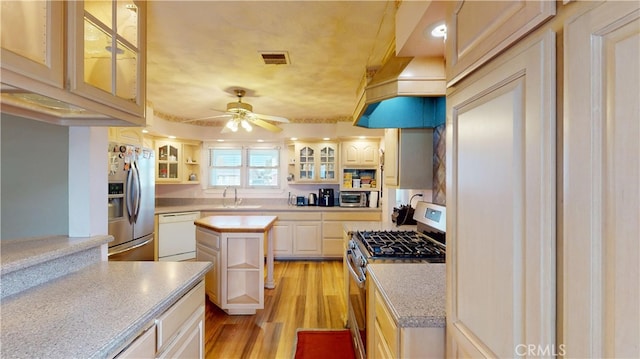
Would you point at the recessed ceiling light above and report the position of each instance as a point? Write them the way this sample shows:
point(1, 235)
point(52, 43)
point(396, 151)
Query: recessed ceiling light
point(260, 140)
point(220, 140)
point(326, 139)
point(172, 137)
point(362, 137)
point(294, 138)
point(145, 131)
point(439, 31)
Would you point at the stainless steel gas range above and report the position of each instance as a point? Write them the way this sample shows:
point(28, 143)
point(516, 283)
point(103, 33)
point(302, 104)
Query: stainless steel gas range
point(427, 243)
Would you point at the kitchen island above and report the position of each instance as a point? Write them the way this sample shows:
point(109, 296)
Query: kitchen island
point(235, 244)
point(94, 311)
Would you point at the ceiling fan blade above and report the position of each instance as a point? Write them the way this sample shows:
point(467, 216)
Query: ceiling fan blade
point(271, 118)
point(208, 118)
point(264, 124)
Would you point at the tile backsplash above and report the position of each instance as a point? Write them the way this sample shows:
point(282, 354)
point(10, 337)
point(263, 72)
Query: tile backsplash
point(439, 162)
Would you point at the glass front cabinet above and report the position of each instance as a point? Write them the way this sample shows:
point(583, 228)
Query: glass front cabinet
point(107, 57)
point(313, 163)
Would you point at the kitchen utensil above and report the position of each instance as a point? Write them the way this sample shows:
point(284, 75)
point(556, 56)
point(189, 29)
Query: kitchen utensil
point(312, 200)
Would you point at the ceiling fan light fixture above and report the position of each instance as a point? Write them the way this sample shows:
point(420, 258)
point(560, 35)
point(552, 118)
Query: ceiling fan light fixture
point(233, 125)
point(245, 124)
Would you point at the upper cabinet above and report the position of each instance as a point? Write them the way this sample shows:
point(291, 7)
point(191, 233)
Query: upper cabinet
point(478, 30)
point(178, 162)
point(33, 48)
point(74, 62)
point(106, 61)
point(360, 153)
point(311, 162)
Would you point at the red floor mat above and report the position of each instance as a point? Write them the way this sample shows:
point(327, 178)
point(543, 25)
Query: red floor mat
point(323, 344)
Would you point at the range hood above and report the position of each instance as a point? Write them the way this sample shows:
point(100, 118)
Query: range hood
point(406, 92)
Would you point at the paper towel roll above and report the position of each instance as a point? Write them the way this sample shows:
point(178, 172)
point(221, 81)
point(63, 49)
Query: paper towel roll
point(373, 199)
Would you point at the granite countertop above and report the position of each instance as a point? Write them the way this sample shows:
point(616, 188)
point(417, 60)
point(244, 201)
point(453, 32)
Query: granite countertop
point(95, 312)
point(22, 253)
point(241, 224)
point(259, 208)
point(415, 292)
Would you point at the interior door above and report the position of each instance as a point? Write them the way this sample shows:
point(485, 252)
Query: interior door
point(601, 261)
point(501, 206)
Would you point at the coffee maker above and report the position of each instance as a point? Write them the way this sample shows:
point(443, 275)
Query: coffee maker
point(325, 197)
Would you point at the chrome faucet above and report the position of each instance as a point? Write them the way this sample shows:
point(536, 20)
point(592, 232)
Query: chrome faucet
point(235, 196)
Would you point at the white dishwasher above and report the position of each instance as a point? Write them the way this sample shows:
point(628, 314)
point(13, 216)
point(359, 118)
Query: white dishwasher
point(177, 236)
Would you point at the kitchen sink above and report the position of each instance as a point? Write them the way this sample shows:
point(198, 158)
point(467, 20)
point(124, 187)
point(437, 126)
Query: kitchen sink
point(240, 206)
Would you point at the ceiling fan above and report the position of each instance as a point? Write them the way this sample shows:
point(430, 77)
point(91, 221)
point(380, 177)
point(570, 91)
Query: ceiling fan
point(241, 114)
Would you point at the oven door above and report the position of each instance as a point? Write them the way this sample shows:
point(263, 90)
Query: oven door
point(357, 301)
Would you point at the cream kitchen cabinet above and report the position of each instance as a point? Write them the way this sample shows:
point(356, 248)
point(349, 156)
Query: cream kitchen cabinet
point(130, 136)
point(314, 162)
point(177, 161)
point(387, 340)
point(601, 183)
point(408, 158)
point(107, 62)
point(208, 249)
point(297, 235)
point(501, 173)
point(33, 48)
point(478, 31)
point(44, 62)
point(333, 229)
point(240, 280)
point(177, 333)
point(360, 153)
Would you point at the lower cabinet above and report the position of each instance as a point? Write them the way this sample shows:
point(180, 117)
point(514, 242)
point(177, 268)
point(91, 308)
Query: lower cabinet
point(177, 333)
point(208, 250)
point(332, 229)
point(386, 340)
point(236, 281)
point(297, 235)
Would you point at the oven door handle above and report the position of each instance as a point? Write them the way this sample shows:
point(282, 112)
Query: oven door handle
point(350, 263)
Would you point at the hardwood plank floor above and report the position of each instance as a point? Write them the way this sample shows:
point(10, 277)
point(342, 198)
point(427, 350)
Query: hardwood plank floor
point(308, 294)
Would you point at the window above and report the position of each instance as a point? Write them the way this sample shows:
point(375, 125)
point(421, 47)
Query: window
point(227, 167)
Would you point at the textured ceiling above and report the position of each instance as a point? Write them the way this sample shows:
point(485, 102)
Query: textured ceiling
point(200, 51)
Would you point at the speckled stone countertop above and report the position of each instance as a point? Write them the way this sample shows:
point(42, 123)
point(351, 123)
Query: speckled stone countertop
point(415, 292)
point(95, 312)
point(22, 253)
point(259, 208)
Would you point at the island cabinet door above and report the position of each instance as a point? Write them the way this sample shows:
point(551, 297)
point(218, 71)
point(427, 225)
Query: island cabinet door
point(501, 162)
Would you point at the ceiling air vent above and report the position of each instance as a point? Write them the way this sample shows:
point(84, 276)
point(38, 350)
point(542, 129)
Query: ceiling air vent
point(275, 58)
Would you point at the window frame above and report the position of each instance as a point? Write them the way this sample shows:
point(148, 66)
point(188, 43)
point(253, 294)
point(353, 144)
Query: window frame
point(245, 167)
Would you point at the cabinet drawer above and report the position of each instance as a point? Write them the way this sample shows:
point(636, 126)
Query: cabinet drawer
point(388, 327)
point(298, 216)
point(188, 345)
point(171, 321)
point(143, 347)
point(207, 238)
point(352, 216)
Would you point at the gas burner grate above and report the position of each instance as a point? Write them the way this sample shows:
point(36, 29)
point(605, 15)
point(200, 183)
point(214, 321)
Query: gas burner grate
point(402, 245)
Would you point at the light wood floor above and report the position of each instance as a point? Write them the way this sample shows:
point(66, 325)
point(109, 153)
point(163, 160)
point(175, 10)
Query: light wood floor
point(308, 294)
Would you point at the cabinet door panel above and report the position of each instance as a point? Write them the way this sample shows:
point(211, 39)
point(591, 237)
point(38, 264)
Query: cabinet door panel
point(33, 48)
point(501, 156)
point(307, 239)
point(601, 183)
point(479, 30)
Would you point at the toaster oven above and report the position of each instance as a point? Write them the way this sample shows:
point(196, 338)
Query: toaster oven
point(353, 199)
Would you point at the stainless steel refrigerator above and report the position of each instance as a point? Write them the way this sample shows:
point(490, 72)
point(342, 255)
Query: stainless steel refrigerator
point(131, 202)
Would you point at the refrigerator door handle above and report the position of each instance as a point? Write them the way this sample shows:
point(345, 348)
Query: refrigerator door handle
point(138, 191)
point(129, 199)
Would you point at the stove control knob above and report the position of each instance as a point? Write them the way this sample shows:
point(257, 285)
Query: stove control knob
point(362, 263)
point(352, 245)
